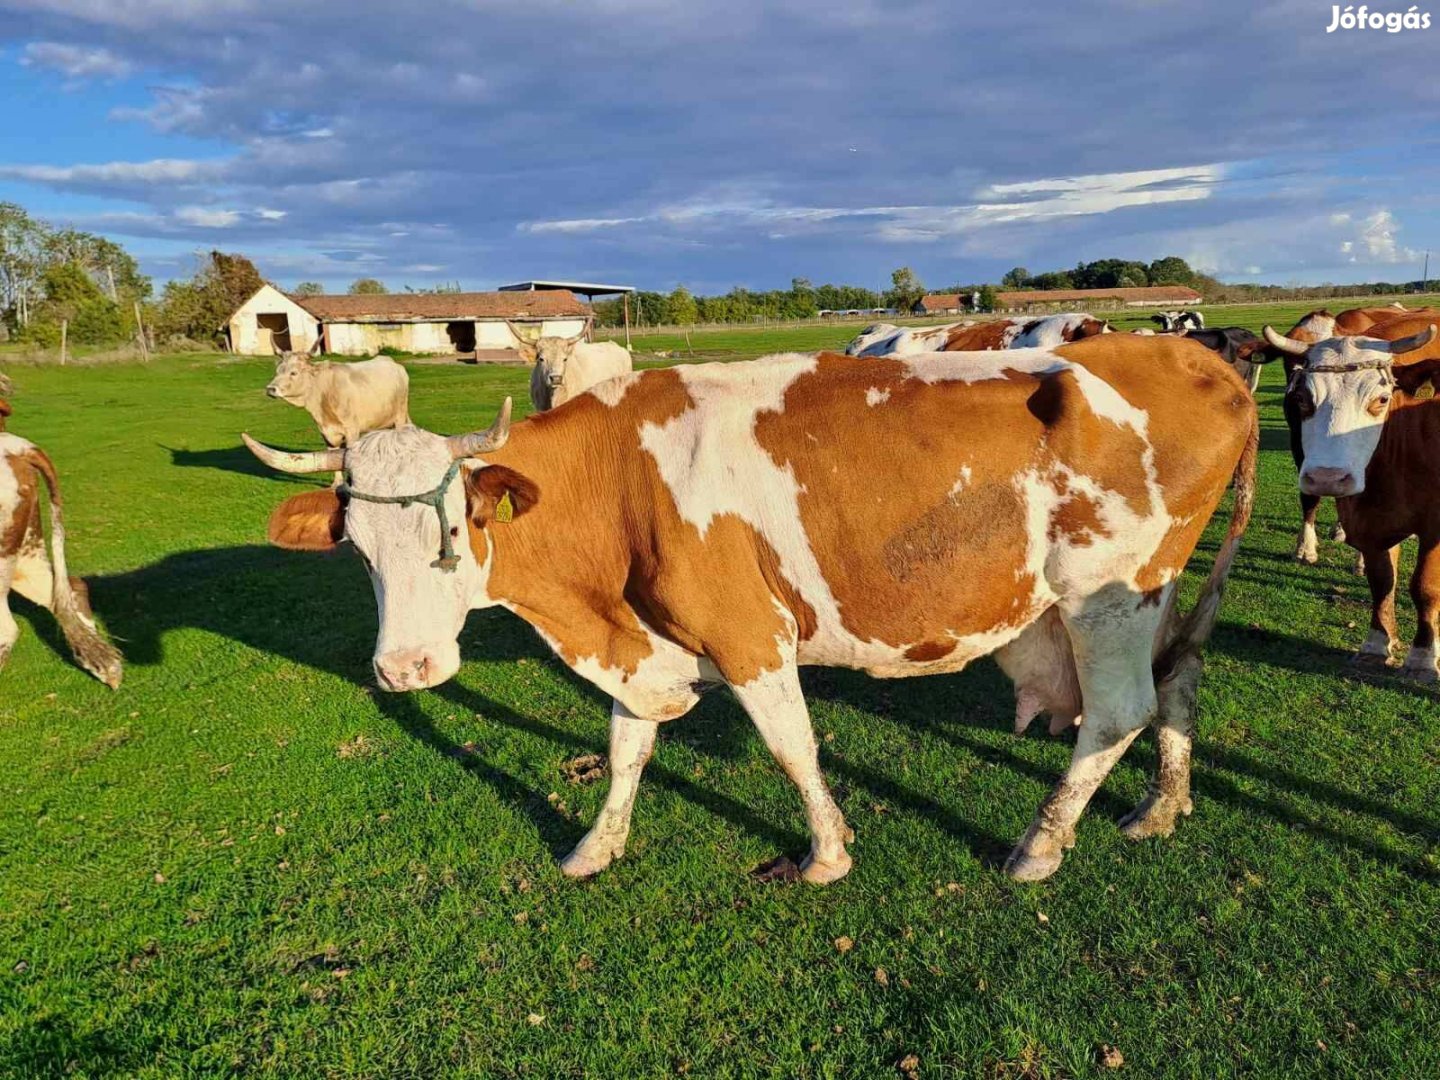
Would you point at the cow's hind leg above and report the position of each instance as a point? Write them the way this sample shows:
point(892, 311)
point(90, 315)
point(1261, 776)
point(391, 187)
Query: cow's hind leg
point(9, 628)
point(632, 741)
point(1425, 591)
point(1169, 794)
point(1113, 634)
point(776, 705)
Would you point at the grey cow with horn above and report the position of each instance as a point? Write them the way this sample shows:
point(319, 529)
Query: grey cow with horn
point(565, 367)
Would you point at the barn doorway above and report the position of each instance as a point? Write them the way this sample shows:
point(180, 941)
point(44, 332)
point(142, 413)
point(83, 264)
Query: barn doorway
point(277, 326)
point(462, 336)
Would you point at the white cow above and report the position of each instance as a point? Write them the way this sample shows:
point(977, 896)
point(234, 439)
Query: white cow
point(344, 400)
point(566, 367)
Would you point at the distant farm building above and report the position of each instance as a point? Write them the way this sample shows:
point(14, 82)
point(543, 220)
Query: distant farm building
point(1053, 299)
point(271, 322)
point(940, 304)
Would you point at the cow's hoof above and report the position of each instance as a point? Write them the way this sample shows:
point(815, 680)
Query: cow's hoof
point(1025, 866)
point(817, 872)
point(1308, 556)
point(1421, 673)
point(1155, 816)
point(589, 858)
point(1338, 533)
point(1371, 662)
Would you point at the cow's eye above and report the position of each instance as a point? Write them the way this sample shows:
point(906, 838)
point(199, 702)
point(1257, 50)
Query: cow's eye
point(1379, 405)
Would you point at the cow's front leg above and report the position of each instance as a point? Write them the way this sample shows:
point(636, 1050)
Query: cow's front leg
point(776, 705)
point(1307, 546)
point(1425, 591)
point(632, 740)
point(1383, 639)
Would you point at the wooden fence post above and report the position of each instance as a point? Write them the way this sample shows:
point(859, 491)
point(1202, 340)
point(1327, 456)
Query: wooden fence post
point(140, 334)
point(64, 333)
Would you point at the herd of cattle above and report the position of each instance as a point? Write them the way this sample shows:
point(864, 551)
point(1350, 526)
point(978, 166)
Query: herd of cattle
point(1027, 488)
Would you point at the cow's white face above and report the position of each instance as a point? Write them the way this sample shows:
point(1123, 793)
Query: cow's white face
point(1341, 411)
point(551, 355)
point(293, 377)
point(422, 607)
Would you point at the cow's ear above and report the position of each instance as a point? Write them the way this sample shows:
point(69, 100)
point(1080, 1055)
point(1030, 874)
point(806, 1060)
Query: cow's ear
point(495, 493)
point(1411, 377)
point(310, 521)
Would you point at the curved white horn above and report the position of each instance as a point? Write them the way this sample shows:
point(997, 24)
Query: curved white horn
point(1285, 344)
point(311, 461)
point(482, 442)
point(1411, 343)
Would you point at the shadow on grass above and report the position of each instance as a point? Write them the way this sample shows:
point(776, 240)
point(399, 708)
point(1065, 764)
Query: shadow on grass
point(235, 459)
point(318, 611)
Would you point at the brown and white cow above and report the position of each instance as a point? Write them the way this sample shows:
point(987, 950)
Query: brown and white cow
point(25, 569)
point(344, 400)
point(1371, 443)
point(727, 523)
point(1386, 323)
point(1026, 332)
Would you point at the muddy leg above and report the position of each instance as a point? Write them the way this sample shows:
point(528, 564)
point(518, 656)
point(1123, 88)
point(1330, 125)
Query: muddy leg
point(632, 740)
point(1383, 639)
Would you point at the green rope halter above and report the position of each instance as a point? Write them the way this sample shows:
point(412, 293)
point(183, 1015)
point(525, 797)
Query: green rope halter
point(434, 498)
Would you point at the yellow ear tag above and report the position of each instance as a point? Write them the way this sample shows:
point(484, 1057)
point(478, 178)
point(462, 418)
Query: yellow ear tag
point(505, 509)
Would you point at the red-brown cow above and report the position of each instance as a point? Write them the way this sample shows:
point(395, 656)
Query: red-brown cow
point(1371, 443)
point(726, 523)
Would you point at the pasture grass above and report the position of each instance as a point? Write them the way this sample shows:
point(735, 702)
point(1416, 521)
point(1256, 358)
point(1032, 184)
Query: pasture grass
point(248, 861)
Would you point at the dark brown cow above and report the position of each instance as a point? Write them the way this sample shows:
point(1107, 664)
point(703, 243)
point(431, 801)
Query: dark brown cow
point(25, 569)
point(726, 523)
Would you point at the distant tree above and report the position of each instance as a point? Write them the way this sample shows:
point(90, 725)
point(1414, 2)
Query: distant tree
point(366, 286)
point(196, 309)
point(906, 289)
point(1171, 270)
point(1055, 279)
point(308, 288)
point(680, 307)
point(989, 299)
point(71, 297)
point(1017, 278)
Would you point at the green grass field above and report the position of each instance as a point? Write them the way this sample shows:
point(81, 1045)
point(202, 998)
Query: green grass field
point(248, 861)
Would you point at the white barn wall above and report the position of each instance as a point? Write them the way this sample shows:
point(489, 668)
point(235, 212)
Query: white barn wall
point(248, 338)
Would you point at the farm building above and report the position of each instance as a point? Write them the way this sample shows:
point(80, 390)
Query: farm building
point(940, 304)
point(438, 323)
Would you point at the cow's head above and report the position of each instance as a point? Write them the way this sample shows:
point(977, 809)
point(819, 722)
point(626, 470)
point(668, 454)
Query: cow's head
point(1342, 389)
point(422, 601)
point(871, 335)
point(551, 355)
point(294, 375)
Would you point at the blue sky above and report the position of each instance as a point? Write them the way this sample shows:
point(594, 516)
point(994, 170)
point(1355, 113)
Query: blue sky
point(659, 143)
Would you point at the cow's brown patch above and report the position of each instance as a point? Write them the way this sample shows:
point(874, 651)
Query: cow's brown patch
point(926, 651)
point(1077, 520)
point(982, 337)
point(27, 508)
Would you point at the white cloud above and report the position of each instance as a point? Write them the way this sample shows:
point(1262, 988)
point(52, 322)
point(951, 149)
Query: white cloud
point(207, 217)
point(76, 61)
point(1378, 234)
point(158, 171)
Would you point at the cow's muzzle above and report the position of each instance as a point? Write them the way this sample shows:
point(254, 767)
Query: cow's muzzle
point(554, 381)
point(1323, 480)
point(272, 391)
point(415, 669)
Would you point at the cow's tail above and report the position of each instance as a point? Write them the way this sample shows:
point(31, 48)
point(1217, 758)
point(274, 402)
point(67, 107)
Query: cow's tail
point(69, 600)
point(1195, 628)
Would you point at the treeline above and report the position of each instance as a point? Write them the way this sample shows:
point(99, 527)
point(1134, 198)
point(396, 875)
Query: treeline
point(1114, 274)
point(52, 277)
point(680, 307)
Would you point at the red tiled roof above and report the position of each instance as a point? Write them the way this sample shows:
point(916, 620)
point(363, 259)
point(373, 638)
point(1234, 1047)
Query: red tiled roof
point(384, 307)
point(941, 302)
